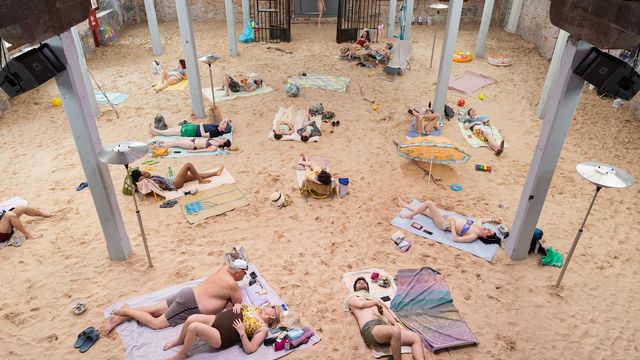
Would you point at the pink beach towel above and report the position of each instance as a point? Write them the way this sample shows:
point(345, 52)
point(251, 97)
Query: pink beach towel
point(469, 82)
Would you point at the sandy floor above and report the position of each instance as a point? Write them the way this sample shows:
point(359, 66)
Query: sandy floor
point(303, 249)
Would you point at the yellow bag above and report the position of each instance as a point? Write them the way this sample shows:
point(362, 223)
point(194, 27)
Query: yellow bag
point(159, 152)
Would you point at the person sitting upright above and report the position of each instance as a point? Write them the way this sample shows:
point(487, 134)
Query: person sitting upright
point(480, 127)
point(315, 173)
point(209, 297)
point(171, 77)
point(377, 325)
point(461, 231)
point(245, 84)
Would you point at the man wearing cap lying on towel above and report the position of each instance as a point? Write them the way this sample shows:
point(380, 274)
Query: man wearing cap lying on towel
point(209, 297)
point(377, 324)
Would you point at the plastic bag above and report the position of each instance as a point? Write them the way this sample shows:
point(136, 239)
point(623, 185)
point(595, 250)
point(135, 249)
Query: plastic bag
point(247, 33)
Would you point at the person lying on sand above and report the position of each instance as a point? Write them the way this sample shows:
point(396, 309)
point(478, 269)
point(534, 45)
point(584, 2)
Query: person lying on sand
point(195, 130)
point(197, 144)
point(10, 221)
point(282, 127)
point(171, 77)
point(209, 297)
point(186, 173)
point(308, 130)
point(481, 129)
point(315, 173)
point(378, 326)
point(424, 123)
point(245, 84)
point(245, 324)
point(465, 231)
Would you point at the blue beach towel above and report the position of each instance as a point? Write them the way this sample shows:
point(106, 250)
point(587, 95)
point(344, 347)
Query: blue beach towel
point(115, 98)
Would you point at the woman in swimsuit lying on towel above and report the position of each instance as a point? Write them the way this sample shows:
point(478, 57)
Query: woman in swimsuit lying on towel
point(194, 130)
point(172, 77)
point(481, 129)
point(10, 220)
point(465, 231)
point(198, 144)
point(246, 324)
point(187, 173)
point(283, 127)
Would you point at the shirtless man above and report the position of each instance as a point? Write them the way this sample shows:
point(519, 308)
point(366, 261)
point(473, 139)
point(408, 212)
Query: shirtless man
point(378, 326)
point(210, 297)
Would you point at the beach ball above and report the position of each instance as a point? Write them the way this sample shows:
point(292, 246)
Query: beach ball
point(461, 102)
point(56, 101)
point(292, 89)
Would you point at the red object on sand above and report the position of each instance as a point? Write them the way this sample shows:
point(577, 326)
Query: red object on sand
point(94, 25)
point(461, 102)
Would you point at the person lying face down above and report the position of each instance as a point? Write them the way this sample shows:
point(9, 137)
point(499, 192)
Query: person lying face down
point(209, 297)
point(377, 325)
point(461, 230)
point(244, 324)
point(194, 130)
point(186, 173)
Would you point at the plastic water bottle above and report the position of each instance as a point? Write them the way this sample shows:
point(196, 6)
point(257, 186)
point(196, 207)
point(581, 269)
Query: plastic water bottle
point(170, 172)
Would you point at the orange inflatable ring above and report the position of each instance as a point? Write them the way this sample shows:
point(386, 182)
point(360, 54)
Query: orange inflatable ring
point(462, 57)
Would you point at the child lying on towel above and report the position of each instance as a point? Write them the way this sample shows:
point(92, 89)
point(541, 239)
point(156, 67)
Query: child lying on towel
point(461, 231)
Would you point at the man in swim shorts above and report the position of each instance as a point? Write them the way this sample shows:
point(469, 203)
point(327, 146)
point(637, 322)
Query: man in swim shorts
point(377, 324)
point(195, 130)
point(209, 297)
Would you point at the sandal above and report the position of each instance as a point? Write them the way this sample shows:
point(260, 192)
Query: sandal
point(90, 339)
point(83, 336)
point(80, 307)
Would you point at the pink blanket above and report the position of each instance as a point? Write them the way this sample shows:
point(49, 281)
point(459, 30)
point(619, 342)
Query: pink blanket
point(469, 82)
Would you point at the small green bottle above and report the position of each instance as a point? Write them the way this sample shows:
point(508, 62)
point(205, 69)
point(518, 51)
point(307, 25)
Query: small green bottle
point(170, 172)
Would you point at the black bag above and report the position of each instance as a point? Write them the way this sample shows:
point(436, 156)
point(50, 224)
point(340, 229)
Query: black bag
point(448, 112)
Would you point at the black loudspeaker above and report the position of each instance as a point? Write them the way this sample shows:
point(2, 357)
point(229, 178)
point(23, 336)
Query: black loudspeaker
point(29, 70)
point(609, 74)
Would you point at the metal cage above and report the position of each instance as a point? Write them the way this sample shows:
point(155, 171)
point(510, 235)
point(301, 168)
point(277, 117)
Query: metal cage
point(272, 19)
point(355, 16)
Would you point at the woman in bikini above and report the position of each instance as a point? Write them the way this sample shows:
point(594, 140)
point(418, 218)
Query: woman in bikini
point(246, 324)
point(172, 77)
point(479, 126)
point(465, 231)
point(197, 144)
point(187, 173)
point(283, 127)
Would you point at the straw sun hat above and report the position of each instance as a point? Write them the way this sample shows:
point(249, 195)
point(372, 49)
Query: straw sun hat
point(279, 199)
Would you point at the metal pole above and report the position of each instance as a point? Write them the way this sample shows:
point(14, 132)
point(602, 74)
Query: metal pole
point(430, 166)
point(231, 28)
point(433, 48)
point(407, 32)
point(85, 72)
point(561, 43)
point(213, 93)
point(152, 22)
point(562, 105)
point(75, 98)
point(514, 16)
point(245, 13)
point(393, 4)
point(484, 28)
point(189, 47)
point(135, 203)
point(578, 235)
point(448, 48)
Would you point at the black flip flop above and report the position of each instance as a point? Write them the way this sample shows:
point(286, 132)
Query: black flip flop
point(337, 123)
point(92, 338)
point(169, 204)
point(83, 336)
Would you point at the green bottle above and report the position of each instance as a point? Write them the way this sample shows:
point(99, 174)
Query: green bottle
point(170, 172)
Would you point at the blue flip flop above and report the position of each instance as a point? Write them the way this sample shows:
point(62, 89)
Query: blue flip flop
point(83, 336)
point(92, 338)
point(456, 187)
point(82, 186)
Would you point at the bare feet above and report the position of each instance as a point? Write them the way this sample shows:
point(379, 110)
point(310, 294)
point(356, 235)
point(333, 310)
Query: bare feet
point(401, 202)
point(32, 236)
point(171, 344)
point(500, 149)
point(220, 170)
point(178, 356)
point(112, 322)
point(203, 181)
point(151, 130)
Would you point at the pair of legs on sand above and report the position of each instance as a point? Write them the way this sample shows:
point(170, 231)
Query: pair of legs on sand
point(188, 173)
point(427, 208)
point(196, 327)
point(11, 219)
point(397, 337)
point(166, 80)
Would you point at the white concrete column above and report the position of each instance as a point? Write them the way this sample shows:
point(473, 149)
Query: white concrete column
point(231, 28)
point(448, 48)
point(84, 70)
point(514, 16)
point(484, 28)
point(561, 42)
point(246, 16)
point(190, 57)
point(393, 4)
point(75, 99)
point(562, 105)
point(407, 32)
point(152, 22)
